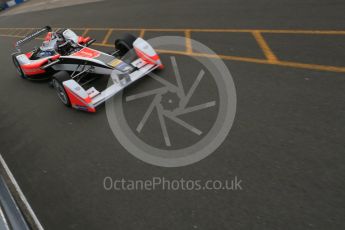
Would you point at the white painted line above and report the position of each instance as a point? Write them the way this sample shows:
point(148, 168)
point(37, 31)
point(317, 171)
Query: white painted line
point(20, 193)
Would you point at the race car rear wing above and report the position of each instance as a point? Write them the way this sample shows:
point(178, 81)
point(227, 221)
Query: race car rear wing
point(32, 36)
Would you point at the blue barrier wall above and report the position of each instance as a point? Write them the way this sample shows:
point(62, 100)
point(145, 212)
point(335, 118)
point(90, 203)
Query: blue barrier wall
point(8, 4)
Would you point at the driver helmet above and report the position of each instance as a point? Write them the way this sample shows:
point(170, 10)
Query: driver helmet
point(49, 43)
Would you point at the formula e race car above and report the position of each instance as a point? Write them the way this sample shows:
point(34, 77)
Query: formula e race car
point(67, 58)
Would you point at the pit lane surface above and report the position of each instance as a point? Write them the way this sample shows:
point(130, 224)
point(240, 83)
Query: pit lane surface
point(286, 143)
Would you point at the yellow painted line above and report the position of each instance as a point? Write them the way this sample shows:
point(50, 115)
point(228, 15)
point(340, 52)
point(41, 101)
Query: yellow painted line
point(18, 28)
point(12, 36)
point(114, 29)
point(338, 69)
point(264, 46)
point(279, 31)
point(136, 29)
point(223, 30)
point(261, 61)
point(105, 40)
point(142, 33)
point(101, 44)
point(237, 58)
point(17, 36)
point(164, 30)
point(315, 32)
point(162, 51)
point(321, 32)
point(85, 32)
point(225, 57)
point(189, 48)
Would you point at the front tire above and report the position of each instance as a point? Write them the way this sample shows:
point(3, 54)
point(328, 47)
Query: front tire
point(125, 44)
point(57, 83)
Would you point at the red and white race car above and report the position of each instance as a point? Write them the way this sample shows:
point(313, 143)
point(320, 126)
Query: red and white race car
point(74, 66)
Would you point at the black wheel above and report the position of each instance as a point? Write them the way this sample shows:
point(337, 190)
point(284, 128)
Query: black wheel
point(125, 43)
point(17, 65)
point(57, 81)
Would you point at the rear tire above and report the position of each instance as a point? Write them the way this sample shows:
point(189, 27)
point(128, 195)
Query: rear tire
point(57, 83)
point(17, 65)
point(125, 44)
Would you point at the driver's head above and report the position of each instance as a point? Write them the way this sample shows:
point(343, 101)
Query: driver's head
point(50, 36)
point(49, 42)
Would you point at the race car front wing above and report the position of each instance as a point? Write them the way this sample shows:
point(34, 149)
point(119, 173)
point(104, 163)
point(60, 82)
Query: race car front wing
point(89, 99)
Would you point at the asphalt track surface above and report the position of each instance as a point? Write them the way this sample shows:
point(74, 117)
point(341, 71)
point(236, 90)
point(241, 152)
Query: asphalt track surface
point(286, 144)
